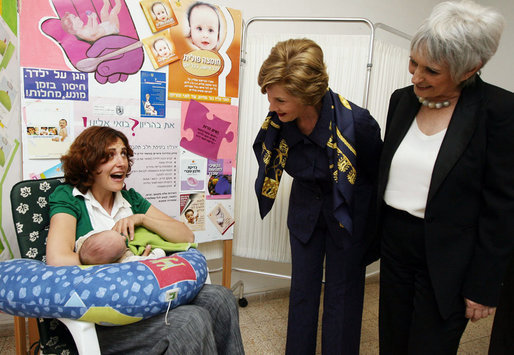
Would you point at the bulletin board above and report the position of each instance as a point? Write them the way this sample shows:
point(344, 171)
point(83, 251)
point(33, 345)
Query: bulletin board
point(164, 72)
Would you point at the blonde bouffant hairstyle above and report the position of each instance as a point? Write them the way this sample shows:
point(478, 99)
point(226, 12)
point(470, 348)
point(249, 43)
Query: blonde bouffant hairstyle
point(297, 65)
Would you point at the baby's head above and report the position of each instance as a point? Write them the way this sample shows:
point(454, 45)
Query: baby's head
point(71, 23)
point(204, 25)
point(102, 248)
point(162, 48)
point(63, 123)
point(190, 216)
point(220, 216)
point(159, 11)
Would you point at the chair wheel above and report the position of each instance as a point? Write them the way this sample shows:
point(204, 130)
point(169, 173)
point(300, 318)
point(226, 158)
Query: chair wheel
point(243, 302)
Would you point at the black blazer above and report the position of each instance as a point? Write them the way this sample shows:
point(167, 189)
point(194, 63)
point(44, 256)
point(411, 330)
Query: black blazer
point(469, 216)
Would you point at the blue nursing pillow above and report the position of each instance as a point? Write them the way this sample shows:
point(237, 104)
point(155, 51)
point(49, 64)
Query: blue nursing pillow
point(111, 294)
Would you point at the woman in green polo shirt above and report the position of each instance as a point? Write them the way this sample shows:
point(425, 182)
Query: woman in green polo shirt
point(94, 200)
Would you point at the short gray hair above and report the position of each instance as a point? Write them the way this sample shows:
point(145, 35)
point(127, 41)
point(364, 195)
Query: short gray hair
point(461, 34)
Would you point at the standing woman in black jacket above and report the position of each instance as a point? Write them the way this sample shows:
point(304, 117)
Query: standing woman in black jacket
point(446, 184)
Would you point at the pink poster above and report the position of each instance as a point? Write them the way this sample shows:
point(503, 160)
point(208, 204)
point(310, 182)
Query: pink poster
point(91, 36)
point(210, 130)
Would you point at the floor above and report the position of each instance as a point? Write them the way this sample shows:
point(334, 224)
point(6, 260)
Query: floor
point(264, 321)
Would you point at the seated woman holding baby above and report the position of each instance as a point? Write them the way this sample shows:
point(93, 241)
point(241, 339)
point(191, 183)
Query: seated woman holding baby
point(93, 201)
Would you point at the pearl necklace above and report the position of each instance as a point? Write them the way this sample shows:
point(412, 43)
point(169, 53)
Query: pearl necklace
point(431, 104)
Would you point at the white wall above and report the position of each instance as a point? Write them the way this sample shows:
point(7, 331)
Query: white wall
point(404, 15)
point(499, 70)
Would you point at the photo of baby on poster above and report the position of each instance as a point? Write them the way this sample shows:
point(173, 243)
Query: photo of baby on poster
point(192, 210)
point(46, 129)
point(221, 218)
point(159, 13)
point(160, 49)
point(207, 41)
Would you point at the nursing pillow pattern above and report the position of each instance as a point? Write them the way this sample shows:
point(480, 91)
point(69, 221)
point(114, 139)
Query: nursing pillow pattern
point(111, 294)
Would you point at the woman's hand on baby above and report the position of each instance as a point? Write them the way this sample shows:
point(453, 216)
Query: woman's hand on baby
point(125, 226)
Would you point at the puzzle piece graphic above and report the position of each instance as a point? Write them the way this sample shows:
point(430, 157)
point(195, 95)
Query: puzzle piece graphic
point(207, 133)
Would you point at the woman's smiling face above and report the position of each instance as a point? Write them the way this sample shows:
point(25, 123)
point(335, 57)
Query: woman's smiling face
point(110, 175)
point(287, 106)
point(432, 81)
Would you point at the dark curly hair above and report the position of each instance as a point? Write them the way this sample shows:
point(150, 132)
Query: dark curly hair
point(87, 152)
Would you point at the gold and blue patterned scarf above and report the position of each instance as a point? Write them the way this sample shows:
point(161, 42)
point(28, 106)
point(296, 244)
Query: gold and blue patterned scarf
point(272, 150)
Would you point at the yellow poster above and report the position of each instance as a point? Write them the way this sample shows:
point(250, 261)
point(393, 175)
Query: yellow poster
point(206, 39)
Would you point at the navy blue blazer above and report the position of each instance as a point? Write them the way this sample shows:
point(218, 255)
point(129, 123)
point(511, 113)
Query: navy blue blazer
point(469, 216)
point(309, 201)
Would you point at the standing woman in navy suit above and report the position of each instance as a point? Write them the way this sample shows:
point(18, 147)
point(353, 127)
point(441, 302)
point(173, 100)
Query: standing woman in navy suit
point(331, 148)
point(446, 186)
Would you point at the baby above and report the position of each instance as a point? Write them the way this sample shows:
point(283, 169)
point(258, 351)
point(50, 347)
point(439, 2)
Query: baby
point(110, 247)
point(92, 30)
point(160, 12)
point(162, 49)
point(63, 131)
point(204, 25)
point(190, 216)
point(220, 216)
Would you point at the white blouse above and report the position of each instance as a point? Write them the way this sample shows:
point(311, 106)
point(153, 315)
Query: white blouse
point(100, 219)
point(411, 171)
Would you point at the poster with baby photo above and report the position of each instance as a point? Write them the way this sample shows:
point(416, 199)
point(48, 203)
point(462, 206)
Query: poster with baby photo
point(208, 43)
point(160, 49)
point(46, 128)
point(221, 218)
point(192, 211)
point(159, 14)
point(192, 174)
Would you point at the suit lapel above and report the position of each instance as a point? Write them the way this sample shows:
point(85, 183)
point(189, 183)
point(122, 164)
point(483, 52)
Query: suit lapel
point(400, 122)
point(458, 135)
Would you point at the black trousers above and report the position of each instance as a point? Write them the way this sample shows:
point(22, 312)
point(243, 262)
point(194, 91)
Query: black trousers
point(502, 335)
point(409, 317)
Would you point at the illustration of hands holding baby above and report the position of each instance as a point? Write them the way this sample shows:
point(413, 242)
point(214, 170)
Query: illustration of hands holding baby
point(105, 43)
